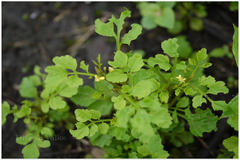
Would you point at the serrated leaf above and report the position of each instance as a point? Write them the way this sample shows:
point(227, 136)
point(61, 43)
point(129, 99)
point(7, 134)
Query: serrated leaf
point(103, 128)
point(198, 100)
point(82, 131)
point(202, 121)
point(82, 115)
point(119, 22)
point(183, 102)
point(161, 118)
point(24, 140)
point(123, 116)
point(135, 63)
point(36, 80)
point(57, 103)
point(43, 143)
point(116, 76)
point(218, 87)
point(151, 102)
point(170, 47)
point(103, 106)
point(218, 105)
point(67, 91)
point(27, 88)
point(120, 60)
point(66, 62)
point(30, 151)
point(104, 29)
point(231, 144)
point(161, 60)
point(181, 65)
point(83, 66)
point(231, 111)
point(135, 31)
point(47, 132)
point(144, 88)
point(84, 97)
point(5, 111)
point(207, 81)
point(119, 102)
point(101, 140)
point(235, 44)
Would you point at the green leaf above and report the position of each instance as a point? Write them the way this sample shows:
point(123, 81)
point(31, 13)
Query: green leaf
point(141, 123)
point(74, 81)
point(47, 132)
point(202, 121)
point(83, 66)
point(82, 131)
point(116, 76)
point(67, 91)
point(65, 62)
point(24, 111)
point(119, 22)
point(166, 18)
point(218, 87)
point(95, 114)
point(231, 111)
point(196, 24)
point(103, 106)
point(135, 31)
point(154, 148)
point(5, 111)
point(43, 143)
point(36, 80)
point(103, 128)
point(183, 102)
point(85, 96)
point(144, 88)
point(82, 115)
point(27, 88)
point(184, 48)
point(93, 130)
point(161, 60)
point(119, 133)
point(24, 140)
point(104, 29)
point(57, 103)
point(101, 140)
point(207, 81)
point(231, 144)
point(120, 60)
point(218, 105)
point(123, 116)
point(235, 44)
point(164, 96)
point(161, 117)
point(30, 151)
point(148, 22)
point(119, 102)
point(45, 106)
point(135, 63)
point(170, 47)
point(198, 100)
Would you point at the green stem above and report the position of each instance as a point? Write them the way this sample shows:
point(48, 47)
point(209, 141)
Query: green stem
point(129, 99)
point(201, 92)
point(84, 74)
point(102, 120)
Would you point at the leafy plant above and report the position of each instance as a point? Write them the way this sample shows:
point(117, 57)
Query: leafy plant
point(163, 14)
point(136, 105)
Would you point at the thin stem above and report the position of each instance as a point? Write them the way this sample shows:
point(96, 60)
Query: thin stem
point(102, 120)
point(84, 74)
point(129, 99)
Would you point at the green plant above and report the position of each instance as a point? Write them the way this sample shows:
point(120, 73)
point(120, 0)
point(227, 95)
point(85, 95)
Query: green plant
point(136, 105)
point(163, 14)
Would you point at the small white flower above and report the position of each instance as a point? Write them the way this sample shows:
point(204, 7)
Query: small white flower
point(110, 69)
point(181, 79)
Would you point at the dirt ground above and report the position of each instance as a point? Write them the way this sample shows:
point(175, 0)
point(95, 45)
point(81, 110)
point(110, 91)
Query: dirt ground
point(33, 33)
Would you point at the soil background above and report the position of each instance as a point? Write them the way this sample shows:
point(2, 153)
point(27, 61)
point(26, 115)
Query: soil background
point(33, 33)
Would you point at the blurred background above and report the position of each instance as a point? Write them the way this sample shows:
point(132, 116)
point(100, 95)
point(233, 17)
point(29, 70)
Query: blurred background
point(33, 33)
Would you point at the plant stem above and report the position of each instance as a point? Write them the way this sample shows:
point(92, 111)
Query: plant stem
point(84, 74)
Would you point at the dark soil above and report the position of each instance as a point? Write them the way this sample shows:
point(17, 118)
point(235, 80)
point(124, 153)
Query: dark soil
point(52, 31)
